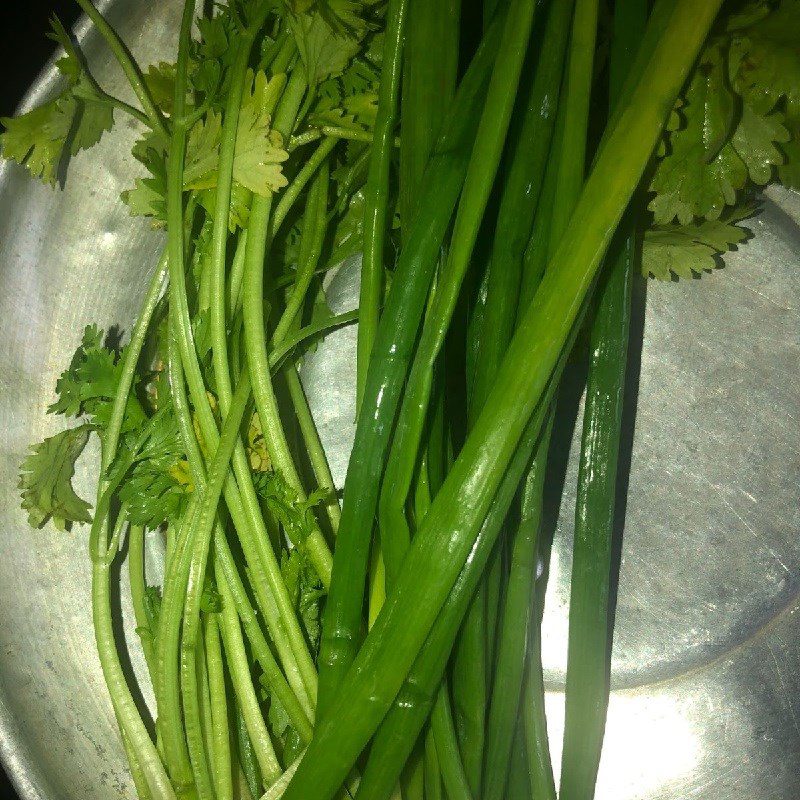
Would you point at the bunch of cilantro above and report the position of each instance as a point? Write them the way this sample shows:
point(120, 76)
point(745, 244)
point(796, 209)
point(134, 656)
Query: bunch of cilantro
point(504, 169)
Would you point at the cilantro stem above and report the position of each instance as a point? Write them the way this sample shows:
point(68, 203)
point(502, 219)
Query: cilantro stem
point(314, 227)
point(263, 391)
point(314, 448)
point(240, 495)
point(255, 338)
point(299, 713)
point(115, 102)
point(221, 747)
point(138, 588)
point(206, 720)
point(239, 671)
point(196, 554)
point(376, 191)
point(144, 758)
point(129, 66)
point(300, 181)
point(227, 153)
point(255, 555)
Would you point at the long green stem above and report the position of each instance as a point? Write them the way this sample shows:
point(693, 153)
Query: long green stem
point(256, 343)
point(197, 557)
point(129, 66)
point(227, 153)
point(391, 356)
point(448, 534)
point(514, 626)
point(298, 713)
point(243, 686)
point(138, 588)
point(240, 495)
point(587, 682)
point(316, 452)
point(145, 759)
point(377, 189)
point(220, 733)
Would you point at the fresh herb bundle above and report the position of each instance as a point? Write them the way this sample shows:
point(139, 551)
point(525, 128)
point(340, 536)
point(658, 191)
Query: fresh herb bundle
point(504, 169)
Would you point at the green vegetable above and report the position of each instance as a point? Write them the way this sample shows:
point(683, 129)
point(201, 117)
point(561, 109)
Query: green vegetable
point(390, 647)
point(588, 657)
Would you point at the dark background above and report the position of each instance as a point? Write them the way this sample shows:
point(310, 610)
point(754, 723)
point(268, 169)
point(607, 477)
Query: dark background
point(25, 48)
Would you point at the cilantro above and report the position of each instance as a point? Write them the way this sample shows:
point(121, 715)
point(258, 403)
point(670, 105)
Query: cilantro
point(157, 484)
point(306, 592)
point(259, 149)
point(46, 480)
point(327, 40)
point(295, 516)
point(75, 120)
point(152, 606)
point(689, 250)
point(724, 143)
point(90, 384)
point(36, 139)
point(148, 198)
point(764, 60)
point(160, 80)
point(202, 152)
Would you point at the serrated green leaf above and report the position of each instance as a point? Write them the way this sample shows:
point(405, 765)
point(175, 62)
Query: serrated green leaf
point(160, 80)
point(686, 251)
point(754, 141)
point(259, 149)
point(765, 60)
point(91, 383)
point(709, 160)
point(202, 152)
point(36, 139)
point(46, 480)
point(90, 120)
point(324, 51)
point(148, 198)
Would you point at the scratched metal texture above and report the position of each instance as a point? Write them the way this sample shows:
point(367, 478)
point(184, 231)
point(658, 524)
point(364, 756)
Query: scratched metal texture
point(706, 665)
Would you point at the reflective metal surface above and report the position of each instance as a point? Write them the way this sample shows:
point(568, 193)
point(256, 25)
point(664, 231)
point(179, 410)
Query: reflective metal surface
point(707, 646)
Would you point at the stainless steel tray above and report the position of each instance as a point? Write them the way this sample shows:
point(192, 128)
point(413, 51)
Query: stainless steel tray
point(706, 661)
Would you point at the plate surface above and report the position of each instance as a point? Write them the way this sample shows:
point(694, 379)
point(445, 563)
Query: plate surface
point(706, 664)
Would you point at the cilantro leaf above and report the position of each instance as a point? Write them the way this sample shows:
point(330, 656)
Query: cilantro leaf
point(46, 480)
point(202, 152)
point(724, 144)
point(306, 592)
point(764, 61)
point(148, 197)
point(259, 152)
point(328, 36)
point(295, 516)
point(160, 80)
point(689, 250)
point(239, 212)
point(69, 65)
point(90, 384)
point(36, 139)
point(259, 149)
point(73, 121)
point(157, 484)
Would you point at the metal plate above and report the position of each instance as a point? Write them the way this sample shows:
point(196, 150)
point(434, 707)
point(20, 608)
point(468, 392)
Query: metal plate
point(707, 645)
